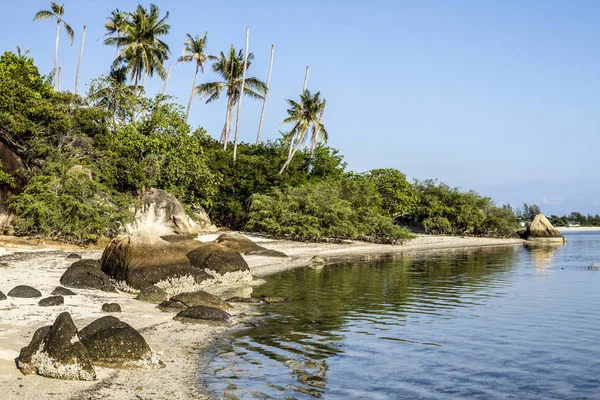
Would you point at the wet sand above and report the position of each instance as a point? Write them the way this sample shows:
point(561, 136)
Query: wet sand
point(178, 345)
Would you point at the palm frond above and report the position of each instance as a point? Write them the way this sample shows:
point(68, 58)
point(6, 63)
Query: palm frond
point(70, 32)
point(43, 14)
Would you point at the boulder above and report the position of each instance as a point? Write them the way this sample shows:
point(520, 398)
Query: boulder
point(114, 344)
point(73, 256)
point(152, 294)
point(214, 257)
point(111, 307)
point(86, 274)
point(56, 352)
point(173, 306)
point(52, 301)
point(24, 291)
point(143, 259)
point(162, 214)
point(243, 245)
point(200, 314)
point(11, 163)
point(62, 291)
point(2, 296)
point(541, 230)
point(200, 298)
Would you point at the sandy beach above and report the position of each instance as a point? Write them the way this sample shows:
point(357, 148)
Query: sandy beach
point(178, 345)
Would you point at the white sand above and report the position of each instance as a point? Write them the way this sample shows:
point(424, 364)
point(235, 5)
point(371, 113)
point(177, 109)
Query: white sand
point(567, 229)
point(177, 344)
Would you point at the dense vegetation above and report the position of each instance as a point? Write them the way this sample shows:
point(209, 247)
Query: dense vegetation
point(87, 158)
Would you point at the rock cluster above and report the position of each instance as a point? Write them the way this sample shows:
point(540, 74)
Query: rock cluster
point(61, 351)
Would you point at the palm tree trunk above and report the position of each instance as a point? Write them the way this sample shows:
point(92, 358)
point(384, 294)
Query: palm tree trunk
point(56, 56)
point(144, 81)
point(187, 113)
point(79, 62)
point(262, 114)
point(316, 131)
point(118, 36)
point(225, 134)
point(167, 80)
point(237, 117)
point(58, 81)
point(305, 79)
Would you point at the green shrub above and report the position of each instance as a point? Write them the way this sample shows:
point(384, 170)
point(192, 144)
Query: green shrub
point(347, 208)
point(397, 194)
point(6, 178)
point(70, 206)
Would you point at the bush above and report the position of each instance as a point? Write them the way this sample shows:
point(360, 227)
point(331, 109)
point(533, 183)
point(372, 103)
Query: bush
point(70, 206)
point(397, 194)
point(346, 208)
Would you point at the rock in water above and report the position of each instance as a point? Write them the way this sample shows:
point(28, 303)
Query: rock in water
point(200, 298)
point(62, 291)
point(56, 352)
point(217, 258)
point(73, 256)
point(142, 259)
point(541, 230)
point(114, 344)
point(152, 294)
point(24, 291)
point(162, 214)
point(86, 274)
point(2, 296)
point(52, 301)
point(111, 307)
point(200, 314)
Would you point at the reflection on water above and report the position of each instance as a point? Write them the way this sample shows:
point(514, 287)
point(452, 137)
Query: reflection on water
point(542, 254)
point(473, 324)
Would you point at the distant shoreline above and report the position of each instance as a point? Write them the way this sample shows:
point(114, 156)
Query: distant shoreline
point(567, 229)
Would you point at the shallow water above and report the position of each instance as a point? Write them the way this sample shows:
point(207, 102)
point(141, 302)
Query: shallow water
point(515, 322)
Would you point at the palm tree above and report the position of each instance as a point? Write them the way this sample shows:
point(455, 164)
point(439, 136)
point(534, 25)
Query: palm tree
point(305, 116)
point(142, 51)
point(239, 109)
point(316, 133)
point(262, 114)
point(57, 12)
point(113, 94)
point(230, 67)
point(115, 23)
point(194, 51)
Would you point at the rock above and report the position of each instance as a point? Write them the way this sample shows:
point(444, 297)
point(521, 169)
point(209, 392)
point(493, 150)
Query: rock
point(162, 214)
point(217, 258)
point(317, 261)
point(86, 274)
point(237, 242)
point(56, 352)
point(243, 245)
point(62, 291)
point(200, 298)
point(247, 300)
point(152, 294)
point(73, 256)
point(267, 253)
point(542, 230)
point(169, 305)
point(24, 291)
point(199, 314)
point(142, 259)
point(52, 301)
point(114, 344)
point(11, 163)
point(111, 307)
point(2, 296)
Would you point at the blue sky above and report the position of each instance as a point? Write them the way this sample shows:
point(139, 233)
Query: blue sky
point(501, 97)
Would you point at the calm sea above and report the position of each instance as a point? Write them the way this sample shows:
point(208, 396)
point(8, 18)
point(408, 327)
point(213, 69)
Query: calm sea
point(503, 323)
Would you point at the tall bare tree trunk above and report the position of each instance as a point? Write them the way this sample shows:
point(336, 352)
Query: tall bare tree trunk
point(56, 56)
point(118, 36)
point(79, 62)
point(167, 81)
point(58, 81)
point(313, 144)
point(237, 117)
point(187, 113)
point(228, 115)
point(305, 79)
point(262, 114)
point(144, 81)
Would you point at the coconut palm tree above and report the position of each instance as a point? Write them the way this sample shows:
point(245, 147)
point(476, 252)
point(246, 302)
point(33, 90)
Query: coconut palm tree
point(305, 116)
point(115, 23)
point(230, 67)
point(57, 12)
point(142, 51)
point(194, 51)
point(114, 95)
